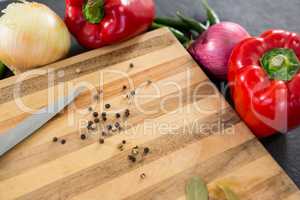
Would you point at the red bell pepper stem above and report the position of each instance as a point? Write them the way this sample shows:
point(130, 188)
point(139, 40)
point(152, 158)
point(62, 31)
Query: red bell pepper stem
point(281, 64)
point(93, 11)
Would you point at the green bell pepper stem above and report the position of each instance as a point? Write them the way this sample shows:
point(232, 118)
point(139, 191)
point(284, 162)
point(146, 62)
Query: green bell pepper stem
point(212, 16)
point(192, 23)
point(178, 34)
point(171, 22)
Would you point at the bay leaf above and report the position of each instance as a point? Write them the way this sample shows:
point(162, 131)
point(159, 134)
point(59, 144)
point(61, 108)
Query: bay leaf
point(196, 189)
point(229, 194)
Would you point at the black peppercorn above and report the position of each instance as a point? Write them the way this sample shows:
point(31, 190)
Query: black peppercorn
point(104, 118)
point(107, 106)
point(124, 87)
point(132, 93)
point(97, 120)
point(118, 115)
point(117, 124)
point(103, 114)
point(83, 136)
point(104, 133)
point(95, 114)
point(143, 176)
point(90, 123)
point(55, 139)
point(101, 141)
point(131, 158)
point(124, 142)
point(109, 127)
point(63, 141)
point(146, 150)
point(131, 65)
point(90, 109)
point(127, 113)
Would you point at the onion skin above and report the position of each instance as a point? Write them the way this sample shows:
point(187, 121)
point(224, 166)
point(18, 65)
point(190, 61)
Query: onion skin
point(213, 48)
point(32, 35)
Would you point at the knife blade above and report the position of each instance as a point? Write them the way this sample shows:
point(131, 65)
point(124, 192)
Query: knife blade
point(24, 129)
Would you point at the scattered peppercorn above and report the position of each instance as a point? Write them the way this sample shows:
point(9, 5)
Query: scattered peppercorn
point(90, 123)
point(63, 141)
point(109, 127)
point(135, 151)
point(131, 65)
point(90, 109)
point(103, 114)
point(107, 106)
point(124, 87)
point(118, 115)
point(124, 142)
point(143, 176)
point(95, 114)
point(83, 136)
point(146, 150)
point(121, 147)
point(104, 133)
point(101, 141)
point(97, 120)
point(104, 118)
point(117, 124)
point(132, 93)
point(127, 113)
point(131, 158)
point(55, 139)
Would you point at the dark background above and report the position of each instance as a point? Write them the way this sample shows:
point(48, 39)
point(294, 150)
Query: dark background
point(256, 16)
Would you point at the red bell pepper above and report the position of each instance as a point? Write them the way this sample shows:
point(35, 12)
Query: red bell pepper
point(265, 81)
point(96, 23)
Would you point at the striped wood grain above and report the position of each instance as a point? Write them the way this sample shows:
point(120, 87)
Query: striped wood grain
point(86, 170)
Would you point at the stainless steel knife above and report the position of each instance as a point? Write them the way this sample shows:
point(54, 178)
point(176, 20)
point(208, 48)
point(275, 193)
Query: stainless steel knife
point(12, 137)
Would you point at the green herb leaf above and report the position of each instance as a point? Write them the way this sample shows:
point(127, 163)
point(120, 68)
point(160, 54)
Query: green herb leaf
point(2, 69)
point(229, 194)
point(196, 189)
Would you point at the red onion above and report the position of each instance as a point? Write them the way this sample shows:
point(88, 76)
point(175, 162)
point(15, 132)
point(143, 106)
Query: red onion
point(213, 48)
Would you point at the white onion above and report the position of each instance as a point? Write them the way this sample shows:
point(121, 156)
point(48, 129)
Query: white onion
point(31, 35)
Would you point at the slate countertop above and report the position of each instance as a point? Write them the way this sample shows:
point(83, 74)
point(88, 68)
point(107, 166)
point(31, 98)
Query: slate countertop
point(256, 16)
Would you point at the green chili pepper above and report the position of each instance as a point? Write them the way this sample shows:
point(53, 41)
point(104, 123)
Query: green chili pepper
point(178, 34)
point(192, 23)
point(211, 14)
point(171, 22)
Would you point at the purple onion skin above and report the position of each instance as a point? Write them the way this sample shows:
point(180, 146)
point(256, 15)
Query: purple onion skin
point(213, 48)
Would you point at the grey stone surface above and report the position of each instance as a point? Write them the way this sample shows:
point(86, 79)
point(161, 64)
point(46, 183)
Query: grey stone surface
point(256, 16)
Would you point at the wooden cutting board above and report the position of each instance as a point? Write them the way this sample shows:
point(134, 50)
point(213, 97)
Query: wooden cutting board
point(176, 112)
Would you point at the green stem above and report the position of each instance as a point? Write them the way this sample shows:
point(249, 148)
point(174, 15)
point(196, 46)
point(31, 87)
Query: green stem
point(281, 64)
point(2, 70)
point(93, 11)
point(178, 34)
point(192, 23)
point(212, 16)
point(171, 22)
